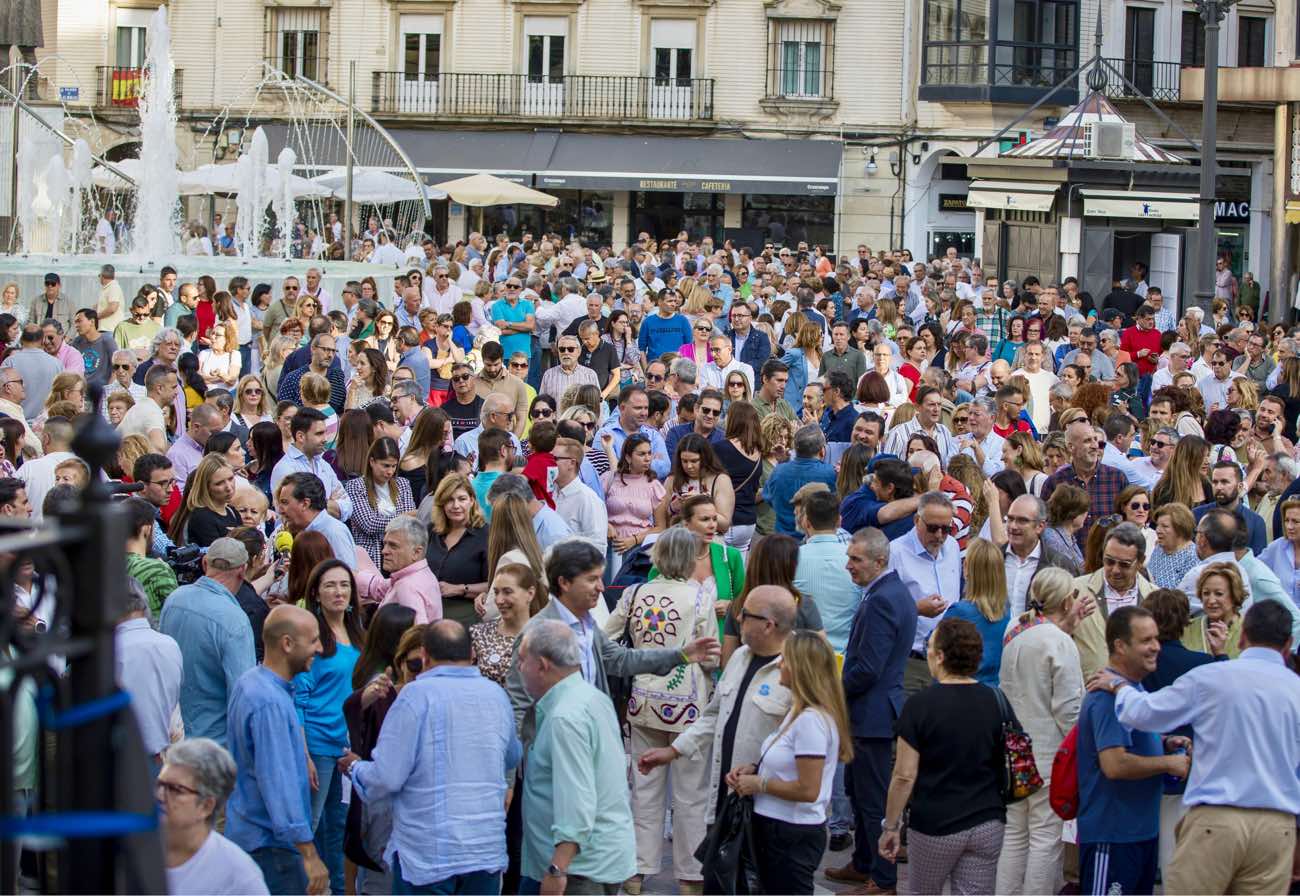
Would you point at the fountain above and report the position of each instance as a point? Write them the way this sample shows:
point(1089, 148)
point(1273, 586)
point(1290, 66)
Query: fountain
point(53, 198)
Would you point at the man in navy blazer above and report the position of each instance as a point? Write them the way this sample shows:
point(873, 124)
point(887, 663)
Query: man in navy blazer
point(748, 343)
point(884, 627)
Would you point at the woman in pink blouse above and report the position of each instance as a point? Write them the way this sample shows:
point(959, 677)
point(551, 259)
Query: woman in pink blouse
point(631, 495)
point(698, 348)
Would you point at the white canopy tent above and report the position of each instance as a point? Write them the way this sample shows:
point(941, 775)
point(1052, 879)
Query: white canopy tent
point(374, 186)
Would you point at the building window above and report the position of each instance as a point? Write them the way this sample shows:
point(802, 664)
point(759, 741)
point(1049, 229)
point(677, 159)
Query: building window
point(297, 42)
point(999, 43)
point(672, 47)
point(787, 220)
point(1193, 43)
point(800, 62)
point(1252, 32)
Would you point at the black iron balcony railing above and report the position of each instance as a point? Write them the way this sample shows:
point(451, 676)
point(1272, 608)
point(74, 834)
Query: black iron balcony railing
point(120, 87)
point(1154, 80)
point(620, 97)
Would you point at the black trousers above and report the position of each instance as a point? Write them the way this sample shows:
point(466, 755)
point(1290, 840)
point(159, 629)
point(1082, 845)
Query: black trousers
point(786, 855)
point(867, 783)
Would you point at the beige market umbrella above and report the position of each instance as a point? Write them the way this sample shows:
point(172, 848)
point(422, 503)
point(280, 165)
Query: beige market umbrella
point(485, 189)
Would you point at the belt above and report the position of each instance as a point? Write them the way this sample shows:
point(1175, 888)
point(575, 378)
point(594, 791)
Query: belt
point(917, 655)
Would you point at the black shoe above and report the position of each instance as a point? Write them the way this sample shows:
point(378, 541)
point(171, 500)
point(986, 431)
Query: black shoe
point(841, 842)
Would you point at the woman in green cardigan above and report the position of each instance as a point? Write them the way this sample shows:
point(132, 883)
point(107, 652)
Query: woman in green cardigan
point(721, 567)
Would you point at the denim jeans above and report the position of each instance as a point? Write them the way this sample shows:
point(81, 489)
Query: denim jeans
point(282, 869)
point(328, 817)
point(472, 883)
point(841, 820)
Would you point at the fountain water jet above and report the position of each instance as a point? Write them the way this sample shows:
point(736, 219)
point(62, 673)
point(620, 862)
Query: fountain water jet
point(157, 218)
point(284, 202)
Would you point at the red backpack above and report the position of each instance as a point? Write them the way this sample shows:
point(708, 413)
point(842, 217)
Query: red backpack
point(1063, 794)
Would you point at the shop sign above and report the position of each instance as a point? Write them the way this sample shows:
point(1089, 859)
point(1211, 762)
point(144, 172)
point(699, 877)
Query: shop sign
point(1225, 210)
point(953, 202)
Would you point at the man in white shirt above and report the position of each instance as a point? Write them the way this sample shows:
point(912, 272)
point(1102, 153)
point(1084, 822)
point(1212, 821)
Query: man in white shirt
point(471, 273)
point(1040, 383)
point(982, 444)
point(882, 359)
point(582, 508)
point(1179, 354)
point(1025, 553)
point(1214, 388)
point(316, 290)
point(111, 301)
point(440, 293)
point(1118, 433)
point(149, 669)
point(713, 375)
point(386, 252)
point(1149, 469)
point(559, 314)
point(146, 417)
point(307, 429)
point(929, 410)
point(973, 375)
point(928, 561)
point(1215, 534)
point(38, 474)
point(106, 233)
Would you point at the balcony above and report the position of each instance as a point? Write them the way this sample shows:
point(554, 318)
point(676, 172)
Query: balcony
point(599, 97)
point(997, 72)
point(119, 87)
point(1157, 81)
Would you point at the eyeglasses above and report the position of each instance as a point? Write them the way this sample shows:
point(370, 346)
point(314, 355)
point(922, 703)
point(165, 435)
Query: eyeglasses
point(460, 378)
point(170, 789)
point(1118, 563)
point(745, 614)
point(518, 365)
point(291, 289)
point(709, 412)
point(115, 367)
point(1139, 505)
point(541, 414)
point(936, 528)
point(568, 348)
point(654, 377)
point(163, 483)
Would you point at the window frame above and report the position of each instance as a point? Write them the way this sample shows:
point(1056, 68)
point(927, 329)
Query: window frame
point(795, 82)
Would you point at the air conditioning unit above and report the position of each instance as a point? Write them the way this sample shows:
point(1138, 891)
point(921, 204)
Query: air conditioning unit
point(1110, 139)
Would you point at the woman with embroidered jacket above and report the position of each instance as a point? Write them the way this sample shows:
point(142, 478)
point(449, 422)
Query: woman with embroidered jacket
point(670, 611)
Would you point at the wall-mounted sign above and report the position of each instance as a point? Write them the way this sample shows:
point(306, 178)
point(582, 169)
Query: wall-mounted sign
point(1227, 211)
point(953, 202)
point(69, 94)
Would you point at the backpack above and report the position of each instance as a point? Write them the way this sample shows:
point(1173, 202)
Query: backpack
point(1063, 794)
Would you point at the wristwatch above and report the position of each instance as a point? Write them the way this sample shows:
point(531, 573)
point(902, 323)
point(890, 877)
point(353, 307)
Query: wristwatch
point(554, 870)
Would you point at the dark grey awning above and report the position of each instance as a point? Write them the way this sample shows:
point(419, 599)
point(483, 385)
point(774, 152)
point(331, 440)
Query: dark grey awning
point(557, 160)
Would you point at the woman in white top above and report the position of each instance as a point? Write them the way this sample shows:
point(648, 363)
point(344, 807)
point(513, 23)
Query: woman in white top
point(1041, 678)
point(792, 784)
point(196, 779)
point(252, 402)
point(219, 365)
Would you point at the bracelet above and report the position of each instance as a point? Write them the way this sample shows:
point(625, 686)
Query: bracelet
point(762, 784)
point(686, 660)
point(891, 828)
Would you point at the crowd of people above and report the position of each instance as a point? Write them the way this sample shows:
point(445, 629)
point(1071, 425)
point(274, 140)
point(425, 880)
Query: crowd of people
point(495, 574)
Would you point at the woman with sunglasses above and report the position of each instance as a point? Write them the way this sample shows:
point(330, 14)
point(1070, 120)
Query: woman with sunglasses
point(1133, 505)
point(698, 348)
point(543, 407)
point(384, 338)
point(252, 402)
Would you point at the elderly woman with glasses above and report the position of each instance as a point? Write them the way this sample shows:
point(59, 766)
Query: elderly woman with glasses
point(197, 777)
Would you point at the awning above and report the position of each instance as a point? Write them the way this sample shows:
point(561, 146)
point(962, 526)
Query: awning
point(693, 165)
point(1128, 204)
point(556, 160)
point(1026, 196)
point(1292, 214)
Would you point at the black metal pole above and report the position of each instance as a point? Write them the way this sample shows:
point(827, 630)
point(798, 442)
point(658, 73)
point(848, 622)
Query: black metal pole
point(1212, 13)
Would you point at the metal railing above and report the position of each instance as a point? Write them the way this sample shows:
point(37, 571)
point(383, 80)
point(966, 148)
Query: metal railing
point(120, 87)
point(624, 97)
point(1154, 80)
point(996, 64)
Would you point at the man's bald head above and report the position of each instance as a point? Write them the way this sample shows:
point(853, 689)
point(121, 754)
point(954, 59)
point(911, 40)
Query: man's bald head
point(285, 619)
point(1000, 370)
point(774, 602)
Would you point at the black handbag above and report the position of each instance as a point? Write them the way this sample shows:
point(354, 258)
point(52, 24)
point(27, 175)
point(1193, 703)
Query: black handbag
point(724, 853)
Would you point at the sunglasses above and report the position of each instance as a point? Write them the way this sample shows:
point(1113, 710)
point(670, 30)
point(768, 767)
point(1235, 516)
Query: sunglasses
point(704, 329)
point(654, 377)
point(518, 365)
point(745, 614)
point(1139, 505)
point(709, 412)
point(291, 289)
point(736, 384)
point(936, 528)
point(512, 286)
point(462, 378)
point(1118, 563)
point(541, 414)
point(565, 349)
point(121, 366)
point(252, 391)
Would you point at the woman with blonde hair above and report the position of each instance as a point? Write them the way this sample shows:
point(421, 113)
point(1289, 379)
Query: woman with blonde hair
point(207, 510)
point(65, 387)
point(778, 438)
point(985, 603)
point(1243, 394)
point(1042, 680)
point(1222, 594)
point(1183, 481)
point(273, 364)
point(1175, 552)
point(662, 706)
point(792, 781)
point(133, 447)
point(219, 362)
point(803, 359)
point(252, 402)
point(511, 539)
point(458, 547)
point(1022, 453)
point(9, 303)
point(518, 595)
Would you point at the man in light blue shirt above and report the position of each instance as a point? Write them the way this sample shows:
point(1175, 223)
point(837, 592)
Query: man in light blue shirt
point(633, 410)
point(215, 638)
point(549, 526)
point(928, 561)
point(806, 466)
point(269, 815)
point(823, 567)
point(1243, 793)
point(306, 455)
point(578, 834)
point(445, 758)
point(301, 503)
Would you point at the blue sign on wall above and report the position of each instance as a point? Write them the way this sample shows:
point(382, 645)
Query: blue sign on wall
point(69, 94)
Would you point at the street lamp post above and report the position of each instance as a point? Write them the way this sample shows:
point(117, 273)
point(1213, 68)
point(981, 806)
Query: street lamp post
point(1212, 13)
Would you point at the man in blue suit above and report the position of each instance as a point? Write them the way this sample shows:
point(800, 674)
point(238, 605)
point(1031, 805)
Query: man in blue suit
point(884, 627)
point(749, 343)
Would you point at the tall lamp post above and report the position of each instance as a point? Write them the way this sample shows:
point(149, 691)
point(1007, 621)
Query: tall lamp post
point(1212, 13)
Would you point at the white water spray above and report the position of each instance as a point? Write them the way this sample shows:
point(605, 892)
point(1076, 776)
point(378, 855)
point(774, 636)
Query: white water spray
point(284, 202)
point(82, 165)
point(157, 218)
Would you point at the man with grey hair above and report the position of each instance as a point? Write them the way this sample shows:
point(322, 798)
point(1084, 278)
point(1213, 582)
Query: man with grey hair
point(549, 526)
point(1117, 584)
point(323, 351)
point(880, 640)
point(982, 444)
point(682, 375)
point(37, 367)
point(1160, 448)
point(149, 669)
point(928, 561)
point(1025, 552)
point(410, 582)
point(1179, 355)
point(200, 772)
point(214, 637)
point(568, 372)
point(749, 702)
point(124, 363)
point(807, 465)
point(578, 835)
point(497, 412)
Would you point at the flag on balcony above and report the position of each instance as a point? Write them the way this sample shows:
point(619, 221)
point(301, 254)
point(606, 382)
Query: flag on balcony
point(1067, 140)
point(126, 86)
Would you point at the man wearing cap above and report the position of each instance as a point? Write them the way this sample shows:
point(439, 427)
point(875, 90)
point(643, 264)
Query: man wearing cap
point(215, 637)
point(52, 304)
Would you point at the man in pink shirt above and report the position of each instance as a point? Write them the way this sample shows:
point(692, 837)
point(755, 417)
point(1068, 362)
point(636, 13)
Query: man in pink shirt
point(55, 345)
point(410, 582)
